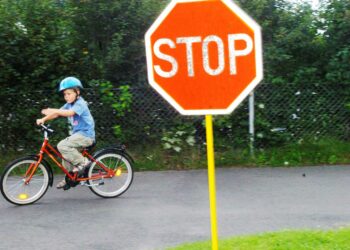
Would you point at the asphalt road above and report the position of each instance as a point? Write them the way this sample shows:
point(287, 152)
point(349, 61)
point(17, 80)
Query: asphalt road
point(163, 209)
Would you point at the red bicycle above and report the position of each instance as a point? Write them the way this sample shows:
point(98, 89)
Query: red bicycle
point(25, 180)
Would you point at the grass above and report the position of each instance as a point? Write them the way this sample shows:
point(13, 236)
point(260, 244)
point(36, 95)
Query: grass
point(322, 152)
point(286, 240)
point(157, 158)
point(154, 157)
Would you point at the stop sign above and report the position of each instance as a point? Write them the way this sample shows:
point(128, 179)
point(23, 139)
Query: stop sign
point(204, 57)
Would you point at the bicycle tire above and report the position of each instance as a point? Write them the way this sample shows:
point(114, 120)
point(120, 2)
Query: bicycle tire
point(12, 184)
point(120, 182)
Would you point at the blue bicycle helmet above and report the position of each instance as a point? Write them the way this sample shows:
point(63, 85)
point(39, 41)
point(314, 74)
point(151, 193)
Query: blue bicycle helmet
point(70, 83)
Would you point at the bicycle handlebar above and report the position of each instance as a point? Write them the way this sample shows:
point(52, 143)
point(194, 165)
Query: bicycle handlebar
point(45, 128)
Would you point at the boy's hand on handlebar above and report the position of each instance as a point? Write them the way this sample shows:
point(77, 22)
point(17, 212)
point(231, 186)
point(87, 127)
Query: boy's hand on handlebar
point(40, 121)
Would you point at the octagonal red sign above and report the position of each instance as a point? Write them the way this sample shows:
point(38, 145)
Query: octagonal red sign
point(204, 57)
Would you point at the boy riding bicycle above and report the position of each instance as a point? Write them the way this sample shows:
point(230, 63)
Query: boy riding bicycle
point(81, 120)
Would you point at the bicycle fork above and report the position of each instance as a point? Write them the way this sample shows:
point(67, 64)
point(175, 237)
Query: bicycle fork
point(33, 167)
point(31, 170)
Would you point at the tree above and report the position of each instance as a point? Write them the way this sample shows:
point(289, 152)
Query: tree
point(336, 26)
point(292, 46)
point(36, 44)
point(36, 51)
point(110, 34)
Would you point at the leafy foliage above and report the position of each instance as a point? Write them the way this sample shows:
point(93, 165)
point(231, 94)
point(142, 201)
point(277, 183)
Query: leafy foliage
point(36, 45)
point(178, 138)
point(102, 42)
point(336, 26)
point(120, 101)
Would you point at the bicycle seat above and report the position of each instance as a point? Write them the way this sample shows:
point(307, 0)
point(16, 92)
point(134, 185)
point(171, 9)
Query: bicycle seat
point(91, 147)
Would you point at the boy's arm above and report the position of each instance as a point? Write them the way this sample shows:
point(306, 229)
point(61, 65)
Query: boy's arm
point(51, 114)
point(54, 113)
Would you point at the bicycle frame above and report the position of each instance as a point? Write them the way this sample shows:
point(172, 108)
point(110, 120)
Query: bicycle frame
point(50, 151)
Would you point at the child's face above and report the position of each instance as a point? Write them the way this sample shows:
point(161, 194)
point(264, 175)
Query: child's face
point(69, 95)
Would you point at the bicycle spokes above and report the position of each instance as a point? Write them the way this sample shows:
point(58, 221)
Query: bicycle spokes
point(118, 173)
point(15, 186)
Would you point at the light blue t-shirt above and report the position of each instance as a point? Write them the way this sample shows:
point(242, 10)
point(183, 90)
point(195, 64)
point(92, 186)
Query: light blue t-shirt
point(82, 122)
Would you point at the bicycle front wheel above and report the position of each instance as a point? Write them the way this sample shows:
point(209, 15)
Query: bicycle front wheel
point(13, 182)
point(116, 185)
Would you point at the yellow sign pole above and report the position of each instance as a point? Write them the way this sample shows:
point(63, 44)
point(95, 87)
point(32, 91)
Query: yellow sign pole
point(211, 180)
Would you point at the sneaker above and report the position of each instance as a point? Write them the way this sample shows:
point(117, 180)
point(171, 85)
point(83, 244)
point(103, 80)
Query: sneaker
point(77, 168)
point(61, 184)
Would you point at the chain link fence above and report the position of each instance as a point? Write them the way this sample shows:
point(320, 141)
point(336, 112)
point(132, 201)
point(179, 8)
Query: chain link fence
point(291, 113)
point(282, 114)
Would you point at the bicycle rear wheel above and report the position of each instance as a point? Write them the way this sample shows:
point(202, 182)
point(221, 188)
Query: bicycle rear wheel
point(121, 180)
point(13, 186)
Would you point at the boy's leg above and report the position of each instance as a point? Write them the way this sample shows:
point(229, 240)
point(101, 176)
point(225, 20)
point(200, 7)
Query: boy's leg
point(67, 165)
point(70, 147)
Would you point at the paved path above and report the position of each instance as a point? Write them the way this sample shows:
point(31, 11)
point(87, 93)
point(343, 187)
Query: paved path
point(164, 209)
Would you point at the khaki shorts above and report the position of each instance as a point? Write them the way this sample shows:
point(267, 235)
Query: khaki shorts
point(71, 147)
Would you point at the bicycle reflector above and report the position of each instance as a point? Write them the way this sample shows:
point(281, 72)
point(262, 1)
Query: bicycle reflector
point(23, 196)
point(118, 172)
